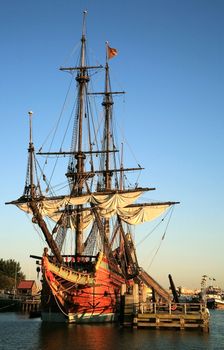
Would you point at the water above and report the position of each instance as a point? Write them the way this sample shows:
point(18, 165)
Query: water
point(17, 332)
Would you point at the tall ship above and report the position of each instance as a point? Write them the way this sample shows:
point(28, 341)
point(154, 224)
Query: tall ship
point(87, 220)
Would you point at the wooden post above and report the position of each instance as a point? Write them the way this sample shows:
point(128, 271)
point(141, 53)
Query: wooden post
point(182, 323)
point(170, 308)
point(123, 289)
point(154, 308)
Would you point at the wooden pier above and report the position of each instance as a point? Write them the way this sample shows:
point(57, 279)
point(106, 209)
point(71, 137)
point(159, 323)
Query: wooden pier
point(167, 315)
point(30, 305)
point(26, 305)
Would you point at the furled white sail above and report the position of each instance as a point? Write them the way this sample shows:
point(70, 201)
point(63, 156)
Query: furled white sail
point(107, 205)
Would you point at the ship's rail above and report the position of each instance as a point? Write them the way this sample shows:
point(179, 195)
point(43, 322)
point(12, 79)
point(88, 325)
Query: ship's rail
point(68, 274)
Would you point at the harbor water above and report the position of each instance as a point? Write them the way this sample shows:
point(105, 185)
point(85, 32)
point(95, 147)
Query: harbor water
point(18, 332)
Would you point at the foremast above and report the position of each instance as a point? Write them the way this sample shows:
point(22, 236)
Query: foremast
point(76, 176)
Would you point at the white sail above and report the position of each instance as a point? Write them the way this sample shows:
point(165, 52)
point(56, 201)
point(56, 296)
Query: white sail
point(107, 205)
point(139, 215)
point(131, 215)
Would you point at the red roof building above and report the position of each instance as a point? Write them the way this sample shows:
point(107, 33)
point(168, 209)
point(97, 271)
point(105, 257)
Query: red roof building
point(27, 287)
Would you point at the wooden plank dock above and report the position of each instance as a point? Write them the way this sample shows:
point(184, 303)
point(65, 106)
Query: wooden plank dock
point(167, 315)
point(26, 305)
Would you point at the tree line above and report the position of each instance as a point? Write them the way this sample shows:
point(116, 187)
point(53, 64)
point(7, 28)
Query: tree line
point(10, 274)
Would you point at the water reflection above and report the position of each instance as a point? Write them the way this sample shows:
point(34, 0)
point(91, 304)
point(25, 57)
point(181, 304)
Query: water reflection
point(74, 336)
point(18, 332)
point(112, 337)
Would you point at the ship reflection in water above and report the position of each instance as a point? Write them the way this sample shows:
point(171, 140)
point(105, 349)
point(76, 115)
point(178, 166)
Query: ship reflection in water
point(19, 332)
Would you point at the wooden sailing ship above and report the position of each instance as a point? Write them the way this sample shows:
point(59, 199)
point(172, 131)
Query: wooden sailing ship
point(97, 211)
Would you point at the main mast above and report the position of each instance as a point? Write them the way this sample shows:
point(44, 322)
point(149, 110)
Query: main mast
point(82, 79)
point(76, 175)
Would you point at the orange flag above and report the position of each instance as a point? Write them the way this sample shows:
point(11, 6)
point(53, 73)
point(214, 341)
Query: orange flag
point(111, 52)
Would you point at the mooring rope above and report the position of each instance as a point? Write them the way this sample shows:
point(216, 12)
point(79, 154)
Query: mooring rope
point(4, 307)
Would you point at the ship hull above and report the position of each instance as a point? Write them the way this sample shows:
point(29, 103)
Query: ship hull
point(80, 297)
point(215, 303)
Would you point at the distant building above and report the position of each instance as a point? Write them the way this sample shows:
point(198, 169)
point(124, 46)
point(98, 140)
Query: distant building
point(27, 287)
point(186, 291)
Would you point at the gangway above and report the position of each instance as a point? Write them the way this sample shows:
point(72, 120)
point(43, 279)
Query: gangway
point(151, 283)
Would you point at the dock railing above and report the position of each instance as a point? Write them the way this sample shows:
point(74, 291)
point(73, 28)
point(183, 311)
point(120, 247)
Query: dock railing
point(171, 308)
point(165, 315)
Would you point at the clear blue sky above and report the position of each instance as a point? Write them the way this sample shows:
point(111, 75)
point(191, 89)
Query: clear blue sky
point(170, 63)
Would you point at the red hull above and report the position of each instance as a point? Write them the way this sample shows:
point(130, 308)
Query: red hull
point(98, 299)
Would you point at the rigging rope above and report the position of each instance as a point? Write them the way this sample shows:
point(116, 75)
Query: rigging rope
point(71, 55)
point(56, 298)
point(163, 236)
point(154, 228)
point(54, 130)
point(57, 124)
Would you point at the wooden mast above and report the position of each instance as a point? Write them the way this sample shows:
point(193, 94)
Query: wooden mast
point(82, 79)
point(78, 175)
point(31, 156)
point(107, 104)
